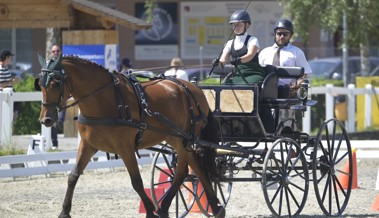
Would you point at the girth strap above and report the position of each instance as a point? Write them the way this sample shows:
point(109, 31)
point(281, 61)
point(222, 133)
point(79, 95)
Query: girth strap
point(108, 121)
point(101, 121)
point(143, 105)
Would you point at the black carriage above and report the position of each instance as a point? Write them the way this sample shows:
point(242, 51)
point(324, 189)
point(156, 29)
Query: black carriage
point(282, 158)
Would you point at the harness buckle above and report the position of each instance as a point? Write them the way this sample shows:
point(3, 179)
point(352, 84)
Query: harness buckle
point(143, 126)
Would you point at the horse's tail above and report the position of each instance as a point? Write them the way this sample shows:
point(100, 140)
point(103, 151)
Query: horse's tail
point(210, 134)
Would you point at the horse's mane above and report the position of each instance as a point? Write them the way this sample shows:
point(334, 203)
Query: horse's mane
point(76, 59)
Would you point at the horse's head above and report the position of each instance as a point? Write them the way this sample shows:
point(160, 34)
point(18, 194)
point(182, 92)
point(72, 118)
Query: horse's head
point(51, 83)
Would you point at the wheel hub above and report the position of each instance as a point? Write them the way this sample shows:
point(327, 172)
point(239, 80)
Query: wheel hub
point(286, 179)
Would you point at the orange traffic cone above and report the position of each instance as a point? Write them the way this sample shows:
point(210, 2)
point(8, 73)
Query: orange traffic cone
point(375, 204)
point(158, 193)
point(343, 178)
point(203, 199)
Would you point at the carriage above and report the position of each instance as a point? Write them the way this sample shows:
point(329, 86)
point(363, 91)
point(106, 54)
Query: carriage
point(283, 159)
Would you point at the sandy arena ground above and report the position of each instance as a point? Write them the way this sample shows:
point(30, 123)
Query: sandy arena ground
point(109, 194)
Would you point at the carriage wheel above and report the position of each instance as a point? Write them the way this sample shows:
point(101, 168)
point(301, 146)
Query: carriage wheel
point(162, 175)
point(221, 185)
point(330, 156)
point(285, 178)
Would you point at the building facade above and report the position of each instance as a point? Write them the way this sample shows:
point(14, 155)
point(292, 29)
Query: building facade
point(192, 30)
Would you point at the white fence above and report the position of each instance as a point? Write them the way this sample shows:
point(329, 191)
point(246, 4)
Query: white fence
point(351, 92)
point(8, 97)
point(47, 163)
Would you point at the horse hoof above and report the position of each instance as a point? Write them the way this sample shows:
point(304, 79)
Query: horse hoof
point(221, 213)
point(64, 216)
point(162, 214)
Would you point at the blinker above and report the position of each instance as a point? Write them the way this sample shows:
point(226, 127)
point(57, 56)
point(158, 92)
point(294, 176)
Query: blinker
point(46, 76)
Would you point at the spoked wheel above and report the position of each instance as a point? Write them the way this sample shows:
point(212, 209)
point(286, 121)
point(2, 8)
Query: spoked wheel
point(162, 175)
point(221, 185)
point(330, 156)
point(285, 178)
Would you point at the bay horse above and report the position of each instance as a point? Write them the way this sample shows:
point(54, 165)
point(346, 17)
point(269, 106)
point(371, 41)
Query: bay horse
point(120, 115)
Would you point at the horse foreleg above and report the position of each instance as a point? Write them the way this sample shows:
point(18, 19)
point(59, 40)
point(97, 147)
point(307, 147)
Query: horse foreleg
point(84, 156)
point(67, 203)
point(131, 164)
point(181, 171)
point(201, 173)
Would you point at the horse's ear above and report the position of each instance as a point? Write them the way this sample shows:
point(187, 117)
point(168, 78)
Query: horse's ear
point(42, 61)
point(59, 63)
point(56, 64)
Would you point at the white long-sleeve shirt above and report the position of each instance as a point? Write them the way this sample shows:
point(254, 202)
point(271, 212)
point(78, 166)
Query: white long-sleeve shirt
point(290, 56)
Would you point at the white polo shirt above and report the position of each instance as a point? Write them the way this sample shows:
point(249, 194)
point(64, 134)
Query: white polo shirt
point(290, 56)
point(239, 41)
point(180, 74)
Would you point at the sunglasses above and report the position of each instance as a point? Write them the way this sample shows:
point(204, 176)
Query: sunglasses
point(285, 34)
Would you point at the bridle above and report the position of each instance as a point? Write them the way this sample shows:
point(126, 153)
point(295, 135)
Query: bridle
point(44, 80)
point(47, 75)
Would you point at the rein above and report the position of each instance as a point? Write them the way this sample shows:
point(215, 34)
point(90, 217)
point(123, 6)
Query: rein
point(109, 85)
point(169, 67)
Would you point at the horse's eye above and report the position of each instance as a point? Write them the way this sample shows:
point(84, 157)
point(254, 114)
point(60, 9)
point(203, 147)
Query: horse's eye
point(57, 77)
point(55, 84)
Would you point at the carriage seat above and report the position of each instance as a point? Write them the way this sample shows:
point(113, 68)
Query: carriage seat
point(269, 87)
point(288, 73)
point(270, 83)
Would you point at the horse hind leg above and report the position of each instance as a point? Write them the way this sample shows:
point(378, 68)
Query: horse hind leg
point(201, 173)
point(84, 156)
point(131, 164)
point(181, 171)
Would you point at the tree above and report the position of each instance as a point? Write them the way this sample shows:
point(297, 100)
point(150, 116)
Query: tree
point(362, 21)
point(53, 37)
point(149, 8)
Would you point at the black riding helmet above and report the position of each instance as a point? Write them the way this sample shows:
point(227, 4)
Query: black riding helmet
point(284, 24)
point(240, 16)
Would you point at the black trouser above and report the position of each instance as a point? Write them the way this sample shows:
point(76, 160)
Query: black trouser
point(54, 136)
point(267, 119)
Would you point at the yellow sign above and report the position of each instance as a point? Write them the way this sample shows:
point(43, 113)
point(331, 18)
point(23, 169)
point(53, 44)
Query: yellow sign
point(361, 83)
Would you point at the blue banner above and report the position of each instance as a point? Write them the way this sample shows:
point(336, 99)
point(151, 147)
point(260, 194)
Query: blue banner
point(105, 55)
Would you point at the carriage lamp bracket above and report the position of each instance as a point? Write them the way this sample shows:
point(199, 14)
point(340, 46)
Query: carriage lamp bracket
point(309, 148)
point(302, 92)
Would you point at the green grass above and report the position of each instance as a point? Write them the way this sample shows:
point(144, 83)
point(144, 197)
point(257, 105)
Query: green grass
point(10, 148)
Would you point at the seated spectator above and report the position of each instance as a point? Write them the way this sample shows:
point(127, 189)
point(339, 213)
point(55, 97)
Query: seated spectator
point(125, 65)
point(175, 71)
